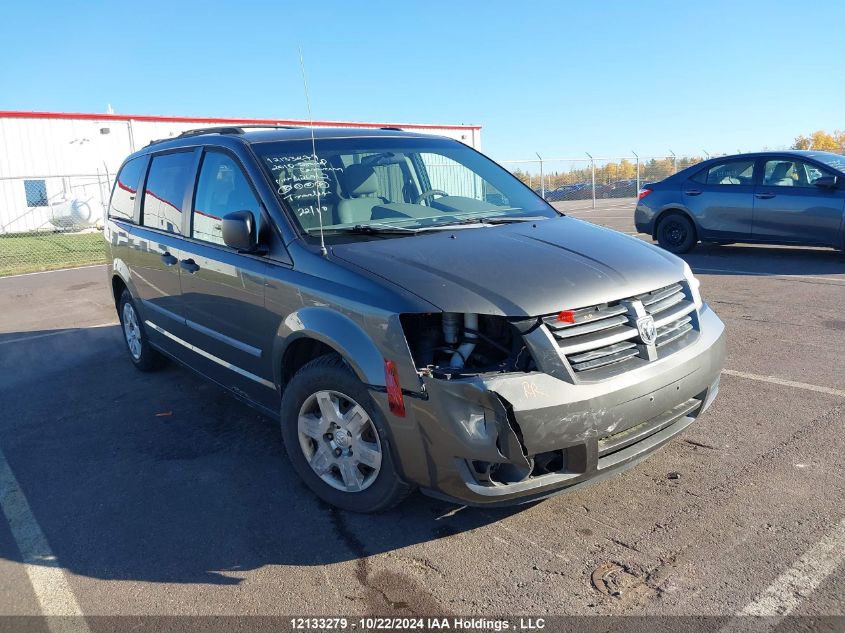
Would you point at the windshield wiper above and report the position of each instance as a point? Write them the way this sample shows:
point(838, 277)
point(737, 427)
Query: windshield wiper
point(504, 219)
point(379, 228)
point(372, 229)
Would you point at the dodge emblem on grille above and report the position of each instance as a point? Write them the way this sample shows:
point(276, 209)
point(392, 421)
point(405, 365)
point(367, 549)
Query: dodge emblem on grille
point(646, 329)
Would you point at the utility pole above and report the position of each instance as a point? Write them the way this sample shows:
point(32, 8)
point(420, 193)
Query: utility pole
point(638, 170)
point(542, 178)
point(593, 171)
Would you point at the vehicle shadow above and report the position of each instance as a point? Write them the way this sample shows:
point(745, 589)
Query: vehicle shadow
point(742, 259)
point(163, 477)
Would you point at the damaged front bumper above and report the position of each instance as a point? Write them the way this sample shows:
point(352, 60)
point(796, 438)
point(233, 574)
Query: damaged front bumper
point(511, 438)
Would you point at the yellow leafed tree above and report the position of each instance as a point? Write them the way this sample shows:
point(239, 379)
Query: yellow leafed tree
point(822, 141)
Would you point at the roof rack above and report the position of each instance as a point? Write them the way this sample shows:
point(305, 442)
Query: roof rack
point(212, 130)
point(224, 129)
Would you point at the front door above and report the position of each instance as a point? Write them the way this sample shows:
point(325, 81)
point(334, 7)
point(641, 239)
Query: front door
point(788, 207)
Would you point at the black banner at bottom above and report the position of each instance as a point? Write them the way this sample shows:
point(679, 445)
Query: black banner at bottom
point(461, 624)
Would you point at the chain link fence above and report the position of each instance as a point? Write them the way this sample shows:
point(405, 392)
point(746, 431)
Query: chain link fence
point(54, 221)
point(49, 222)
point(585, 180)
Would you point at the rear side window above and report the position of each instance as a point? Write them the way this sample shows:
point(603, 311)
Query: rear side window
point(122, 206)
point(222, 189)
point(166, 185)
point(733, 172)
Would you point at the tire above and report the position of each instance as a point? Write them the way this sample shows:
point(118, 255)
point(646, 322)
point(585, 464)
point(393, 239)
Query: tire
point(142, 355)
point(676, 233)
point(326, 385)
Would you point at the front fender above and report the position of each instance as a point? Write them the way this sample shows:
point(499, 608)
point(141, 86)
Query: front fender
point(337, 331)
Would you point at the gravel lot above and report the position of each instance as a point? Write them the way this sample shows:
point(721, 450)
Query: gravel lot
point(159, 494)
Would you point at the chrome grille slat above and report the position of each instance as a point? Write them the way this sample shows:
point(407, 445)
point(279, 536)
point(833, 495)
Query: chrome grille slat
point(683, 309)
point(602, 351)
point(597, 339)
point(585, 315)
point(672, 335)
point(664, 304)
point(605, 360)
point(657, 295)
point(666, 329)
point(590, 326)
point(606, 335)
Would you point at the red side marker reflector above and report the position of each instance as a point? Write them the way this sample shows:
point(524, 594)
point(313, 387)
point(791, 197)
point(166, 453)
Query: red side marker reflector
point(395, 400)
point(566, 316)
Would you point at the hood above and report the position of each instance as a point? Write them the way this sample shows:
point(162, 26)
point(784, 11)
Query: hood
point(520, 269)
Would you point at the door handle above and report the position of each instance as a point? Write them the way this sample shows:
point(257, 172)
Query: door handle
point(190, 265)
point(764, 196)
point(168, 259)
point(692, 192)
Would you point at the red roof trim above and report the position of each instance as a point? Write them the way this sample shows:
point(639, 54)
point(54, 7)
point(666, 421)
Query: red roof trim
point(14, 114)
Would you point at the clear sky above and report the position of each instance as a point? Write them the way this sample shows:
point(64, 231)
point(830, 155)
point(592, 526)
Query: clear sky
point(559, 78)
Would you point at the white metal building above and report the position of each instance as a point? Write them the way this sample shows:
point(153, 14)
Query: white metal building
point(56, 168)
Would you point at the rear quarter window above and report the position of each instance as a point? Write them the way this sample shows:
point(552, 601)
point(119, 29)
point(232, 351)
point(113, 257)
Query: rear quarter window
point(122, 204)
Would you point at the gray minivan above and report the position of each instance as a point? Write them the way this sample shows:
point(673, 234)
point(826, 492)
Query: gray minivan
point(411, 313)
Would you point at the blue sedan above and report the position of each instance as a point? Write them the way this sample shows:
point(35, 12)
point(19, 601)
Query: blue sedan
point(787, 197)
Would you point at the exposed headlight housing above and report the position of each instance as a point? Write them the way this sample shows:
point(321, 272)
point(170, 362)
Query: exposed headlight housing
point(694, 286)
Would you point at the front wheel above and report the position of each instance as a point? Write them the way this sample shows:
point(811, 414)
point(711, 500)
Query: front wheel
point(676, 233)
point(336, 439)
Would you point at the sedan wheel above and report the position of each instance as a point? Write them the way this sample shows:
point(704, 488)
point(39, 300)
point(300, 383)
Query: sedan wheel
point(339, 441)
point(676, 233)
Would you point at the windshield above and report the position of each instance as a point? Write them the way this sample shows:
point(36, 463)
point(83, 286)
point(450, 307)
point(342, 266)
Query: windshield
point(836, 161)
point(393, 183)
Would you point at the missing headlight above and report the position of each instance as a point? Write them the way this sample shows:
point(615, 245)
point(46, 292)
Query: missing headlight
point(449, 345)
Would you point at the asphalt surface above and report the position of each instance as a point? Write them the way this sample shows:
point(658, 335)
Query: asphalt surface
point(159, 494)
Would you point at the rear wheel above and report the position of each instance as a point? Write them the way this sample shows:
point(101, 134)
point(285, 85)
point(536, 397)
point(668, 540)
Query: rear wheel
point(142, 355)
point(676, 233)
point(336, 439)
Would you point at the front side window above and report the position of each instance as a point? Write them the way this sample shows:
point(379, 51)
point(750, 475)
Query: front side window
point(792, 173)
point(166, 185)
point(393, 182)
point(122, 205)
point(734, 172)
point(36, 193)
point(222, 188)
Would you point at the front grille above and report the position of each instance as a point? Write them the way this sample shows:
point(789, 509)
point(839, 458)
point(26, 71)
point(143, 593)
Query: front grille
point(605, 335)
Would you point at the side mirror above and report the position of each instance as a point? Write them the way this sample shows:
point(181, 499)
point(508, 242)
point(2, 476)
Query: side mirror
point(826, 182)
point(239, 231)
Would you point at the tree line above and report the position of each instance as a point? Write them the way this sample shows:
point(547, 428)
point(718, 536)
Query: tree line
point(651, 170)
point(655, 169)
